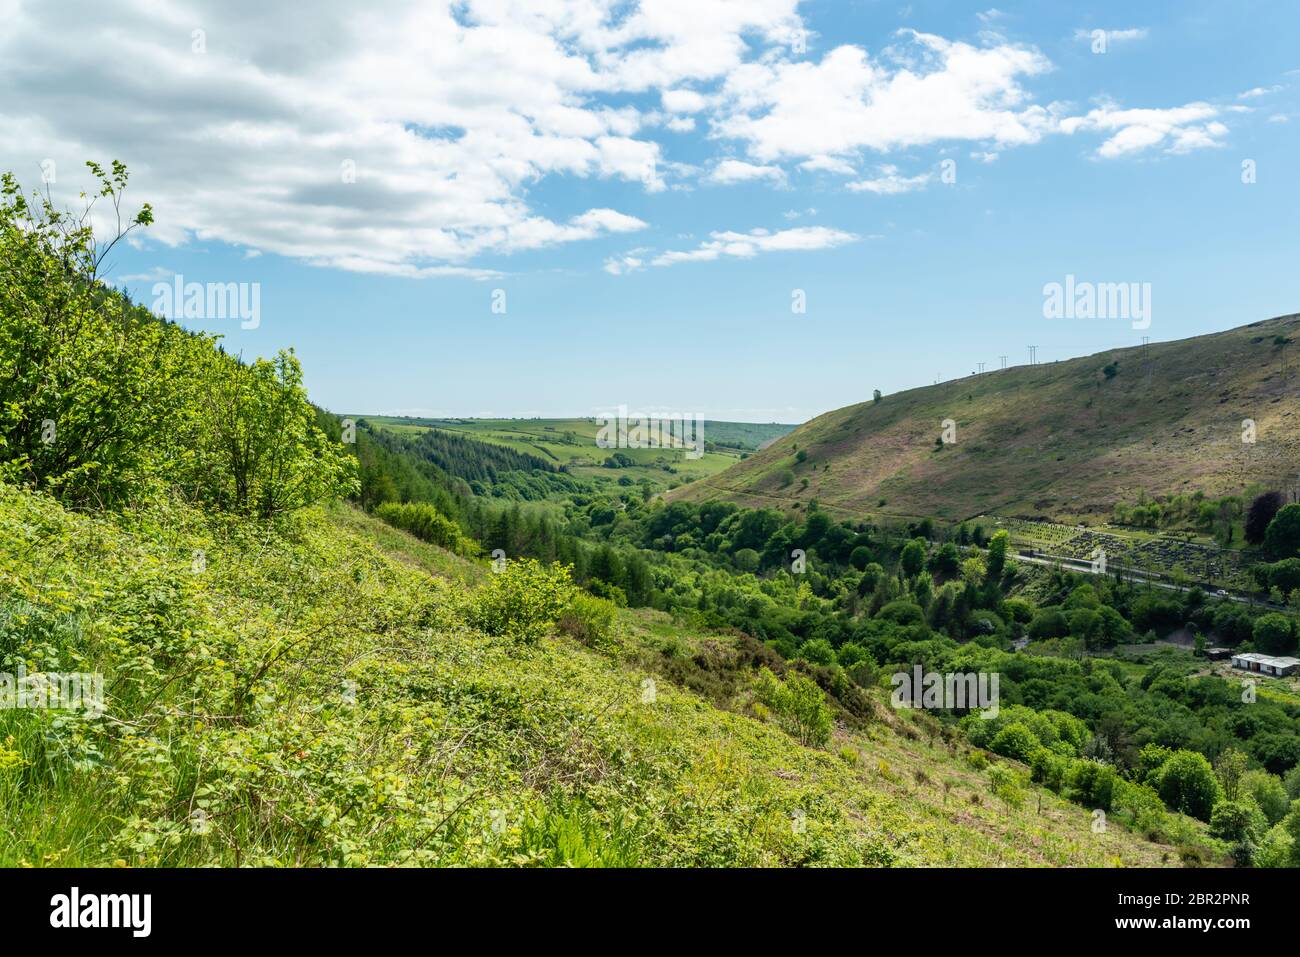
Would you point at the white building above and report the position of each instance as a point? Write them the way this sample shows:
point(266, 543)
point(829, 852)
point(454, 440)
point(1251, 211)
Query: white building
point(1266, 664)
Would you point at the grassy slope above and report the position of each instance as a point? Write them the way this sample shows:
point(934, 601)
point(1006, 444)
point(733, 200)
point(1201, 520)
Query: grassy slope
point(228, 696)
point(1051, 440)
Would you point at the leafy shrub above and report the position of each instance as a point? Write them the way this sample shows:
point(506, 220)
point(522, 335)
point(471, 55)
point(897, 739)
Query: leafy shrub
point(1275, 848)
point(1266, 790)
point(588, 619)
point(427, 524)
point(902, 612)
point(1274, 634)
point(1048, 769)
point(523, 601)
point(1282, 539)
point(1186, 783)
point(818, 651)
point(799, 706)
point(1238, 822)
point(1092, 784)
point(261, 452)
point(1014, 741)
point(104, 404)
point(1005, 784)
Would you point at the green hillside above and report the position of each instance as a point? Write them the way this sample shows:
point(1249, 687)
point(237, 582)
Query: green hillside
point(1062, 440)
point(323, 692)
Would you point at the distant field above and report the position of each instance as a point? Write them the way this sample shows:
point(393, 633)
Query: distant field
point(572, 444)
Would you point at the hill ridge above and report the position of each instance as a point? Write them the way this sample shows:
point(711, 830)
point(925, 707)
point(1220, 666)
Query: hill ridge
point(1068, 438)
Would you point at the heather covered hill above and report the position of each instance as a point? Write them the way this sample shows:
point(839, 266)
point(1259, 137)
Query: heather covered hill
point(1062, 439)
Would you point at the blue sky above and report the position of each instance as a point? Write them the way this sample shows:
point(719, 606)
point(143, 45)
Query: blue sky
point(608, 166)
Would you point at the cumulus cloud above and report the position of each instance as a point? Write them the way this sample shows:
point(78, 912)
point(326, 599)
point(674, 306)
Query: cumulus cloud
point(735, 171)
point(828, 164)
point(1128, 131)
point(631, 261)
point(683, 101)
point(750, 244)
point(395, 136)
point(890, 182)
point(406, 137)
point(927, 90)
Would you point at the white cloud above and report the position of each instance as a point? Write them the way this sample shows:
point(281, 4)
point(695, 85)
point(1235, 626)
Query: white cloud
point(750, 244)
point(889, 182)
point(927, 91)
point(735, 171)
point(597, 220)
point(618, 265)
point(449, 112)
point(1178, 129)
point(683, 101)
point(1258, 91)
point(828, 164)
point(156, 274)
point(406, 137)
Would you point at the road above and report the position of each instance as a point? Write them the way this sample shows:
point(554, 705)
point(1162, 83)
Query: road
point(1083, 566)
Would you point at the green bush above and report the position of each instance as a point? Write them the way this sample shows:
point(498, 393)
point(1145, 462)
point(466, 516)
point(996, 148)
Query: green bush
point(1238, 821)
point(104, 404)
point(1092, 784)
point(1282, 538)
point(261, 452)
point(1274, 634)
point(1014, 741)
point(818, 651)
point(799, 706)
point(1186, 783)
point(1006, 785)
point(588, 619)
point(1275, 848)
point(1048, 769)
point(427, 524)
point(1267, 791)
point(523, 601)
